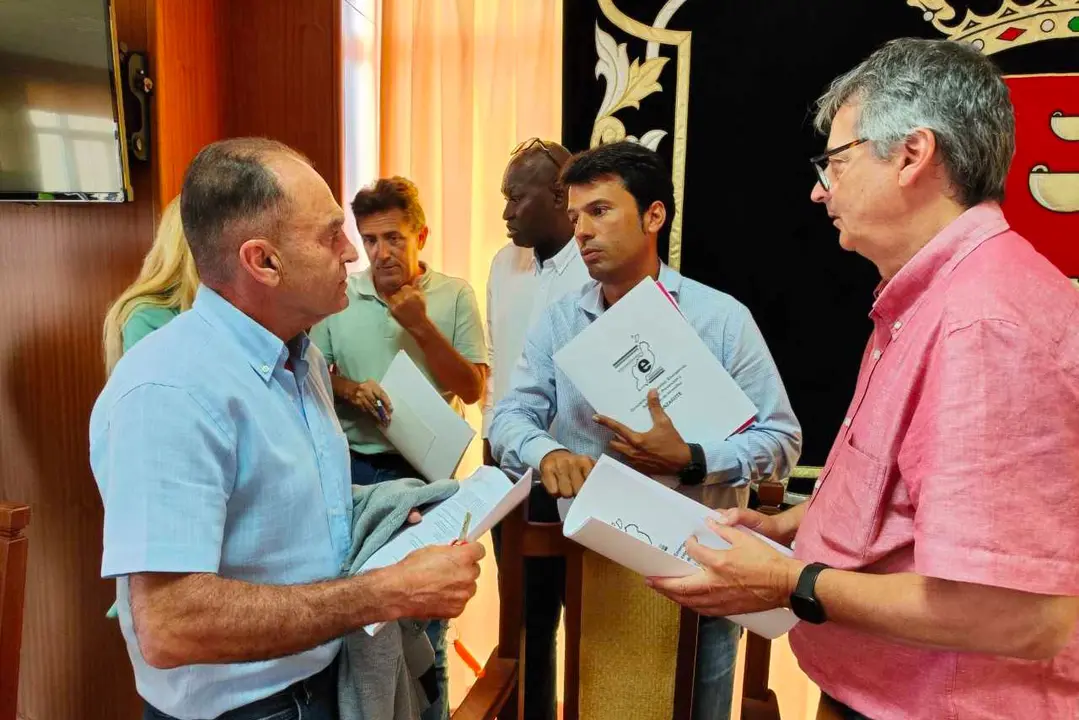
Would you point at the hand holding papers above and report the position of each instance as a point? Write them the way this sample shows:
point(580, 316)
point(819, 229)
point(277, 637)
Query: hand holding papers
point(644, 342)
point(644, 526)
point(484, 498)
point(423, 427)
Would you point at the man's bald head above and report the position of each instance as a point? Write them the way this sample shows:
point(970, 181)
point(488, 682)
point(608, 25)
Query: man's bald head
point(535, 211)
point(540, 161)
point(233, 190)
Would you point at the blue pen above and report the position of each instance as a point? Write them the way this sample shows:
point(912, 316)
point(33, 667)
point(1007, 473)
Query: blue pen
point(381, 412)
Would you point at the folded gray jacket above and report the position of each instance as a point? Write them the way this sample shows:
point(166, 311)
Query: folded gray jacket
point(378, 674)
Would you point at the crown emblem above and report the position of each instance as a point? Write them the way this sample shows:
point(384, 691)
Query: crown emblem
point(1010, 26)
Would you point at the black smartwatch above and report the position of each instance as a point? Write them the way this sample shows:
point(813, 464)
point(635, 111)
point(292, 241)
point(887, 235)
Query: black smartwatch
point(804, 600)
point(693, 474)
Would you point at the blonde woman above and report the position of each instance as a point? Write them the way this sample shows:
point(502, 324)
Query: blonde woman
point(164, 288)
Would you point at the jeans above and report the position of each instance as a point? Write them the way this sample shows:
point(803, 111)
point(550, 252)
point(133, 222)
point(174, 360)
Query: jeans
point(544, 596)
point(717, 655)
point(373, 469)
point(311, 699)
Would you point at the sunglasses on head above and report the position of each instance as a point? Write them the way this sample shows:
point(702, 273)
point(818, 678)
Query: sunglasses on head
point(529, 144)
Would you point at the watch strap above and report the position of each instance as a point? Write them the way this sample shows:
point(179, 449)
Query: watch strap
point(805, 592)
point(695, 472)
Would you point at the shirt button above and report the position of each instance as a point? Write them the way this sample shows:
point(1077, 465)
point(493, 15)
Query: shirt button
point(897, 325)
point(876, 354)
point(846, 421)
point(265, 368)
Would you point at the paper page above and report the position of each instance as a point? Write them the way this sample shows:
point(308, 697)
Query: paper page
point(642, 525)
point(644, 342)
point(412, 437)
point(488, 494)
point(423, 427)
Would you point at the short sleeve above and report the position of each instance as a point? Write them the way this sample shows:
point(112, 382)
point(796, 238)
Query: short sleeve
point(990, 461)
point(468, 335)
point(143, 321)
point(165, 469)
point(320, 336)
point(489, 393)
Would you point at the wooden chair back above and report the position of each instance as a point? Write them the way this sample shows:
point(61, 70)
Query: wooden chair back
point(14, 518)
point(498, 694)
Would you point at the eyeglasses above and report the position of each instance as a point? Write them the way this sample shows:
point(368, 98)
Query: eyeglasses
point(820, 162)
point(528, 144)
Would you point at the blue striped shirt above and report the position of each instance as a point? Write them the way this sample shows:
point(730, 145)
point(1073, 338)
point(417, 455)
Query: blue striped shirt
point(522, 433)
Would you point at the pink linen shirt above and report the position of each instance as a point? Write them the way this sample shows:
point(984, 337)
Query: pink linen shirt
point(958, 459)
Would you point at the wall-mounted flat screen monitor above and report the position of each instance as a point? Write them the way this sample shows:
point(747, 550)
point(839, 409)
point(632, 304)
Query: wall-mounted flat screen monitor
point(61, 115)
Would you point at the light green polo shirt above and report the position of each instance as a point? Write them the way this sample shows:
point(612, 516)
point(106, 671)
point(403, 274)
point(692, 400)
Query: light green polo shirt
point(143, 320)
point(363, 339)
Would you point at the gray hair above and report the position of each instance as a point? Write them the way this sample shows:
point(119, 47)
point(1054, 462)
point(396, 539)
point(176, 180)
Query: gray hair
point(943, 86)
point(230, 191)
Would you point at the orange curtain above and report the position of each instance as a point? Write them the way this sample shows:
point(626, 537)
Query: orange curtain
point(461, 83)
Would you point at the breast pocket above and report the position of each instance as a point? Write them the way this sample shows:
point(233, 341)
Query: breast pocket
point(851, 495)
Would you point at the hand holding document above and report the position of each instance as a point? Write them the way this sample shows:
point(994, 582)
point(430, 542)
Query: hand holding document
point(483, 500)
point(424, 428)
point(643, 525)
point(645, 342)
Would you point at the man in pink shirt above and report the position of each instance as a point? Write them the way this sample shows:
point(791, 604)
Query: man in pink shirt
point(936, 567)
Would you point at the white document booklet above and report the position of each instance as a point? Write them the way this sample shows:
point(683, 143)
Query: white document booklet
point(643, 525)
point(423, 427)
point(486, 495)
point(644, 342)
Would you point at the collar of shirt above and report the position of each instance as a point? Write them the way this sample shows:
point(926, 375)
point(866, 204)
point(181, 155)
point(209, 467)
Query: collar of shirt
point(591, 300)
point(364, 284)
point(559, 261)
point(898, 298)
point(263, 350)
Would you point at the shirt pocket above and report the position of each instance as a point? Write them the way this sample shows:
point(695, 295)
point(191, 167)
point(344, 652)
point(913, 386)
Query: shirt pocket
point(851, 495)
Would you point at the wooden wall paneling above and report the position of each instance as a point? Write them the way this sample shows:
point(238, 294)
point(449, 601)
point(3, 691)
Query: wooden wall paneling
point(285, 77)
point(60, 267)
point(189, 60)
point(247, 67)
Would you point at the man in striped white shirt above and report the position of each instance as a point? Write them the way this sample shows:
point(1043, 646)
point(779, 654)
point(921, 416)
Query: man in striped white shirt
point(539, 266)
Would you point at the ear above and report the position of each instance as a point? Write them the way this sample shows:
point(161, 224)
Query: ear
point(559, 192)
point(421, 239)
point(654, 217)
point(916, 156)
point(259, 260)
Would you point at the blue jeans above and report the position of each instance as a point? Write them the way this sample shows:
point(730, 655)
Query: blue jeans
point(373, 469)
point(311, 699)
point(717, 654)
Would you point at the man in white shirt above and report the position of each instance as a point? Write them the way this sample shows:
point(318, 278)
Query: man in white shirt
point(539, 266)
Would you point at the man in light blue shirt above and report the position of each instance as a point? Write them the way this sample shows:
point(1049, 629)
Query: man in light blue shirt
point(619, 195)
point(224, 472)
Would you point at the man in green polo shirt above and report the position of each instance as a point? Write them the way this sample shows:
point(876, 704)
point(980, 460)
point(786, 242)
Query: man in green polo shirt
point(398, 303)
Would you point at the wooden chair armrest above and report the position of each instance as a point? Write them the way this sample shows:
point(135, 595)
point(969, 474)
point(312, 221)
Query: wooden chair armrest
point(544, 539)
point(761, 709)
point(770, 494)
point(488, 696)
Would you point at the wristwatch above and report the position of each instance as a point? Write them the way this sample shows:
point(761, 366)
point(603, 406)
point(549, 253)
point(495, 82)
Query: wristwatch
point(804, 600)
point(694, 472)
